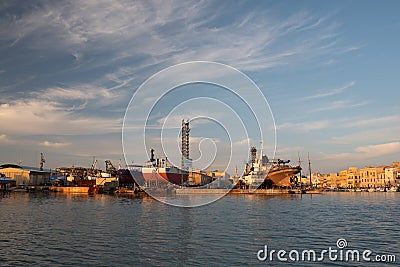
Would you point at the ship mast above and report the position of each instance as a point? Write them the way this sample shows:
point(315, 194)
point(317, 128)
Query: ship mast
point(298, 154)
point(309, 168)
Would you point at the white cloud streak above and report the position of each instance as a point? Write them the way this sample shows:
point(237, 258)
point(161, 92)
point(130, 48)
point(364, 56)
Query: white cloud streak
point(42, 116)
point(384, 123)
point(341, 104)
point(330, 92)
point(365, 152)
point(389, 133)
point(4, 139)
point(305, 126)
point(384, 120)
point(171, 31)
point(53, 144)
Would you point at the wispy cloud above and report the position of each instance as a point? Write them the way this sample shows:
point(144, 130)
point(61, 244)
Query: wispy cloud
point(288, 151)
point(388, 124)
point(4, 139)
point(77, 97)
point(385, 132)
point(35, 116)
point(380, 149)
point(329, 62)
point(388, 120)
point(53, 144)
point(341, 104)
point(331, 92)
point(250, 41)
point(365, 152)
point(92, 55)
point(305, 126)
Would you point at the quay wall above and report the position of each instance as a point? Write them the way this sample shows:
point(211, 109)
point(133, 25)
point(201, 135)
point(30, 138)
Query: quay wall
point(70, 189)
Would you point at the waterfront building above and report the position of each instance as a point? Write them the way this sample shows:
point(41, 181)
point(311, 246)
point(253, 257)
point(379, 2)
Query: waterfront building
point(353, 178)
point(394, 174)
point(371, 177)
point(316, 179)
point(368, 177)
point(23, 175)
point(342, 179)
point(332, 180)
point(324, 181)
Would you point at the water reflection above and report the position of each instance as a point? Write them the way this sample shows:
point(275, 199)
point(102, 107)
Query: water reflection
point(55, 229)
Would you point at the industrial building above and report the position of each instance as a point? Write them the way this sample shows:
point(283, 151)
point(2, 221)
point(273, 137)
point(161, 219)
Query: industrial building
point(23, 175)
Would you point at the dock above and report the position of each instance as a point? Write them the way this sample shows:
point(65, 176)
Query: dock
point(74, 189)
point(191, 191)
point(272, 191)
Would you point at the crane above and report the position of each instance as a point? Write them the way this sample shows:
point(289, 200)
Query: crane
point(42, 161)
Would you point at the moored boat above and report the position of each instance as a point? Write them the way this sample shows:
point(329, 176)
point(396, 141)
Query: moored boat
point(393, 189)
point(261, 171)
point(160, 171)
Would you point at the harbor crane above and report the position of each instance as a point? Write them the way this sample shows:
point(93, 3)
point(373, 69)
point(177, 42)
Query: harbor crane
point(42, 161)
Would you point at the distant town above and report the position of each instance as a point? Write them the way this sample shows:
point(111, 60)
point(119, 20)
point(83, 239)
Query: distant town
point(85, 180)
point(379, 177)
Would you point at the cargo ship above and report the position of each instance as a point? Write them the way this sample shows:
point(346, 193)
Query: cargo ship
point(159, 172)
point(131, 175)
point(262, 173)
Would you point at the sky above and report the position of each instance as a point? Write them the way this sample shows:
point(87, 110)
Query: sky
point(329, 71)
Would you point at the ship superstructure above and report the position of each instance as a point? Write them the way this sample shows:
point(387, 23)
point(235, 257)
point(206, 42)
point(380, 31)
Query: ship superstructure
point(262, 172)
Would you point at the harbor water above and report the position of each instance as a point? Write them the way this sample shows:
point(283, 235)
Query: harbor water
point(50, 229)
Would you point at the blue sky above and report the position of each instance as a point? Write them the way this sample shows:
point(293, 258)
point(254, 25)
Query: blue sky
point(329, 70)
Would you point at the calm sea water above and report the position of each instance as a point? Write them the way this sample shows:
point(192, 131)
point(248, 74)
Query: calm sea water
point(105, 230)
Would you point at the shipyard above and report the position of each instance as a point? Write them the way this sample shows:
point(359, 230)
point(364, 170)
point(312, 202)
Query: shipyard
point(199, 133)
point(260, 176)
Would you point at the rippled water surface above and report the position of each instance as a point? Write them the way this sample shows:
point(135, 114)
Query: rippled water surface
point(59, 230)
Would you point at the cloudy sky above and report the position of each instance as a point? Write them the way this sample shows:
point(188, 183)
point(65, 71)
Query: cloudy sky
point(329, 70)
